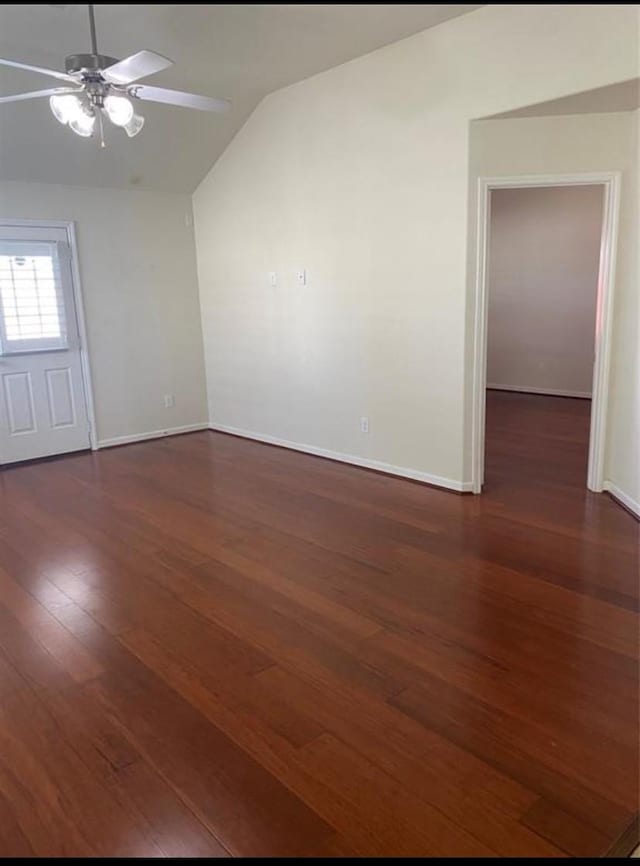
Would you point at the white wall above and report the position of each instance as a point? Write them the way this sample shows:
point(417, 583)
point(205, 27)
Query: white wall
point(544, 253)
point(585, 143)
point(139, 282)
point(360, 175)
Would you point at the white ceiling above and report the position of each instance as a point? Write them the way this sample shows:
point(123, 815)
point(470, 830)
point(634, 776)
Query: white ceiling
point(237, 51)
point(623, 96)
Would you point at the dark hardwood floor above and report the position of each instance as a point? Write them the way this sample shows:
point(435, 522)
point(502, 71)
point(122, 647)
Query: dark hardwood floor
point(213, 647)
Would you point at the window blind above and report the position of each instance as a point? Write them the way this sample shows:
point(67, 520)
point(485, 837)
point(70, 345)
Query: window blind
point(32, 315)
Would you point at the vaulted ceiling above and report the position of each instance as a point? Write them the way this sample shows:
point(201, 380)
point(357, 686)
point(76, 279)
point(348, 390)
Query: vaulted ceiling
point(624, 96)
point(239, 51)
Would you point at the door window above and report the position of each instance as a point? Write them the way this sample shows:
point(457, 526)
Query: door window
point(32, 314)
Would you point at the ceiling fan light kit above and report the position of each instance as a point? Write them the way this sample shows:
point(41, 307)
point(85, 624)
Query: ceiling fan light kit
point(64, 106)
point(119, 109)
point(100, 87)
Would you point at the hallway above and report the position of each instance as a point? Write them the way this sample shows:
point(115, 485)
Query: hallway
point(534, 442)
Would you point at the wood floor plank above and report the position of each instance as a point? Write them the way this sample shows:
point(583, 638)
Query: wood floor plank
point(479, 798)
point(46, 630)
point(576, 837)
point(160, 816)
point(168, 819)
point(379, 810)
point(212, 774)
point(422, 631)
point(476, 796)
point(211, 647)
point(58, 803)
point(537, 763)
point(36, 667)
point(250, 699)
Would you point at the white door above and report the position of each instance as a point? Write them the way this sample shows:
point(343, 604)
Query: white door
point(42, 398)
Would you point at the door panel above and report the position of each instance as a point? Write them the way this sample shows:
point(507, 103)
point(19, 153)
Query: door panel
point(42, 397)
point(62, 410)
point(18, 392)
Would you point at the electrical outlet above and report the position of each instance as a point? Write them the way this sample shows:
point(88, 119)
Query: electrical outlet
point(273, 279)
point(301, 277)
point(364, 424)
point(169, 401)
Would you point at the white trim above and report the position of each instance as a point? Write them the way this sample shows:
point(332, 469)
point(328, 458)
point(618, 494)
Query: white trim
point(604, 324)
point(153, 434)
point(85, 364)
point(401, 471)
point(624, 498)
point(47, 224)
point(551, 392)
point(604, 315)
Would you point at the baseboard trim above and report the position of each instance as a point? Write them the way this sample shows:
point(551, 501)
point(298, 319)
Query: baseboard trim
point(623, 499)
point(550, 392)
point(153, 434)
point(353, 460)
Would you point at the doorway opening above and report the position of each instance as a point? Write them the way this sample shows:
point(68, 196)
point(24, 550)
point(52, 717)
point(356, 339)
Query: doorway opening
point(544, 298)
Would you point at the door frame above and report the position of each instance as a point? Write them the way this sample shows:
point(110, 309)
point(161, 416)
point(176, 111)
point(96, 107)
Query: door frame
point(85, 364)
point(610, 180)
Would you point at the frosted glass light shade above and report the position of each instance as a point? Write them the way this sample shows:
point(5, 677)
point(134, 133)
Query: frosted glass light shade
point(119, 110)
point(65, 106)
point(134, 126)
point(83, 123)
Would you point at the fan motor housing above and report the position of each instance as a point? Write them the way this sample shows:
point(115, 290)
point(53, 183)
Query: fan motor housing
point(87, 63)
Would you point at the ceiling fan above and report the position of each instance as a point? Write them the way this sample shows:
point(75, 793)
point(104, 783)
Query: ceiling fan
point(104, 87)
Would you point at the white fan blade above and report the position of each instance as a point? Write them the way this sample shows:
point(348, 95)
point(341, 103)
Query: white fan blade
point(37, 94)
point(177, 97)
point(51, 72)
point(137, 66)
